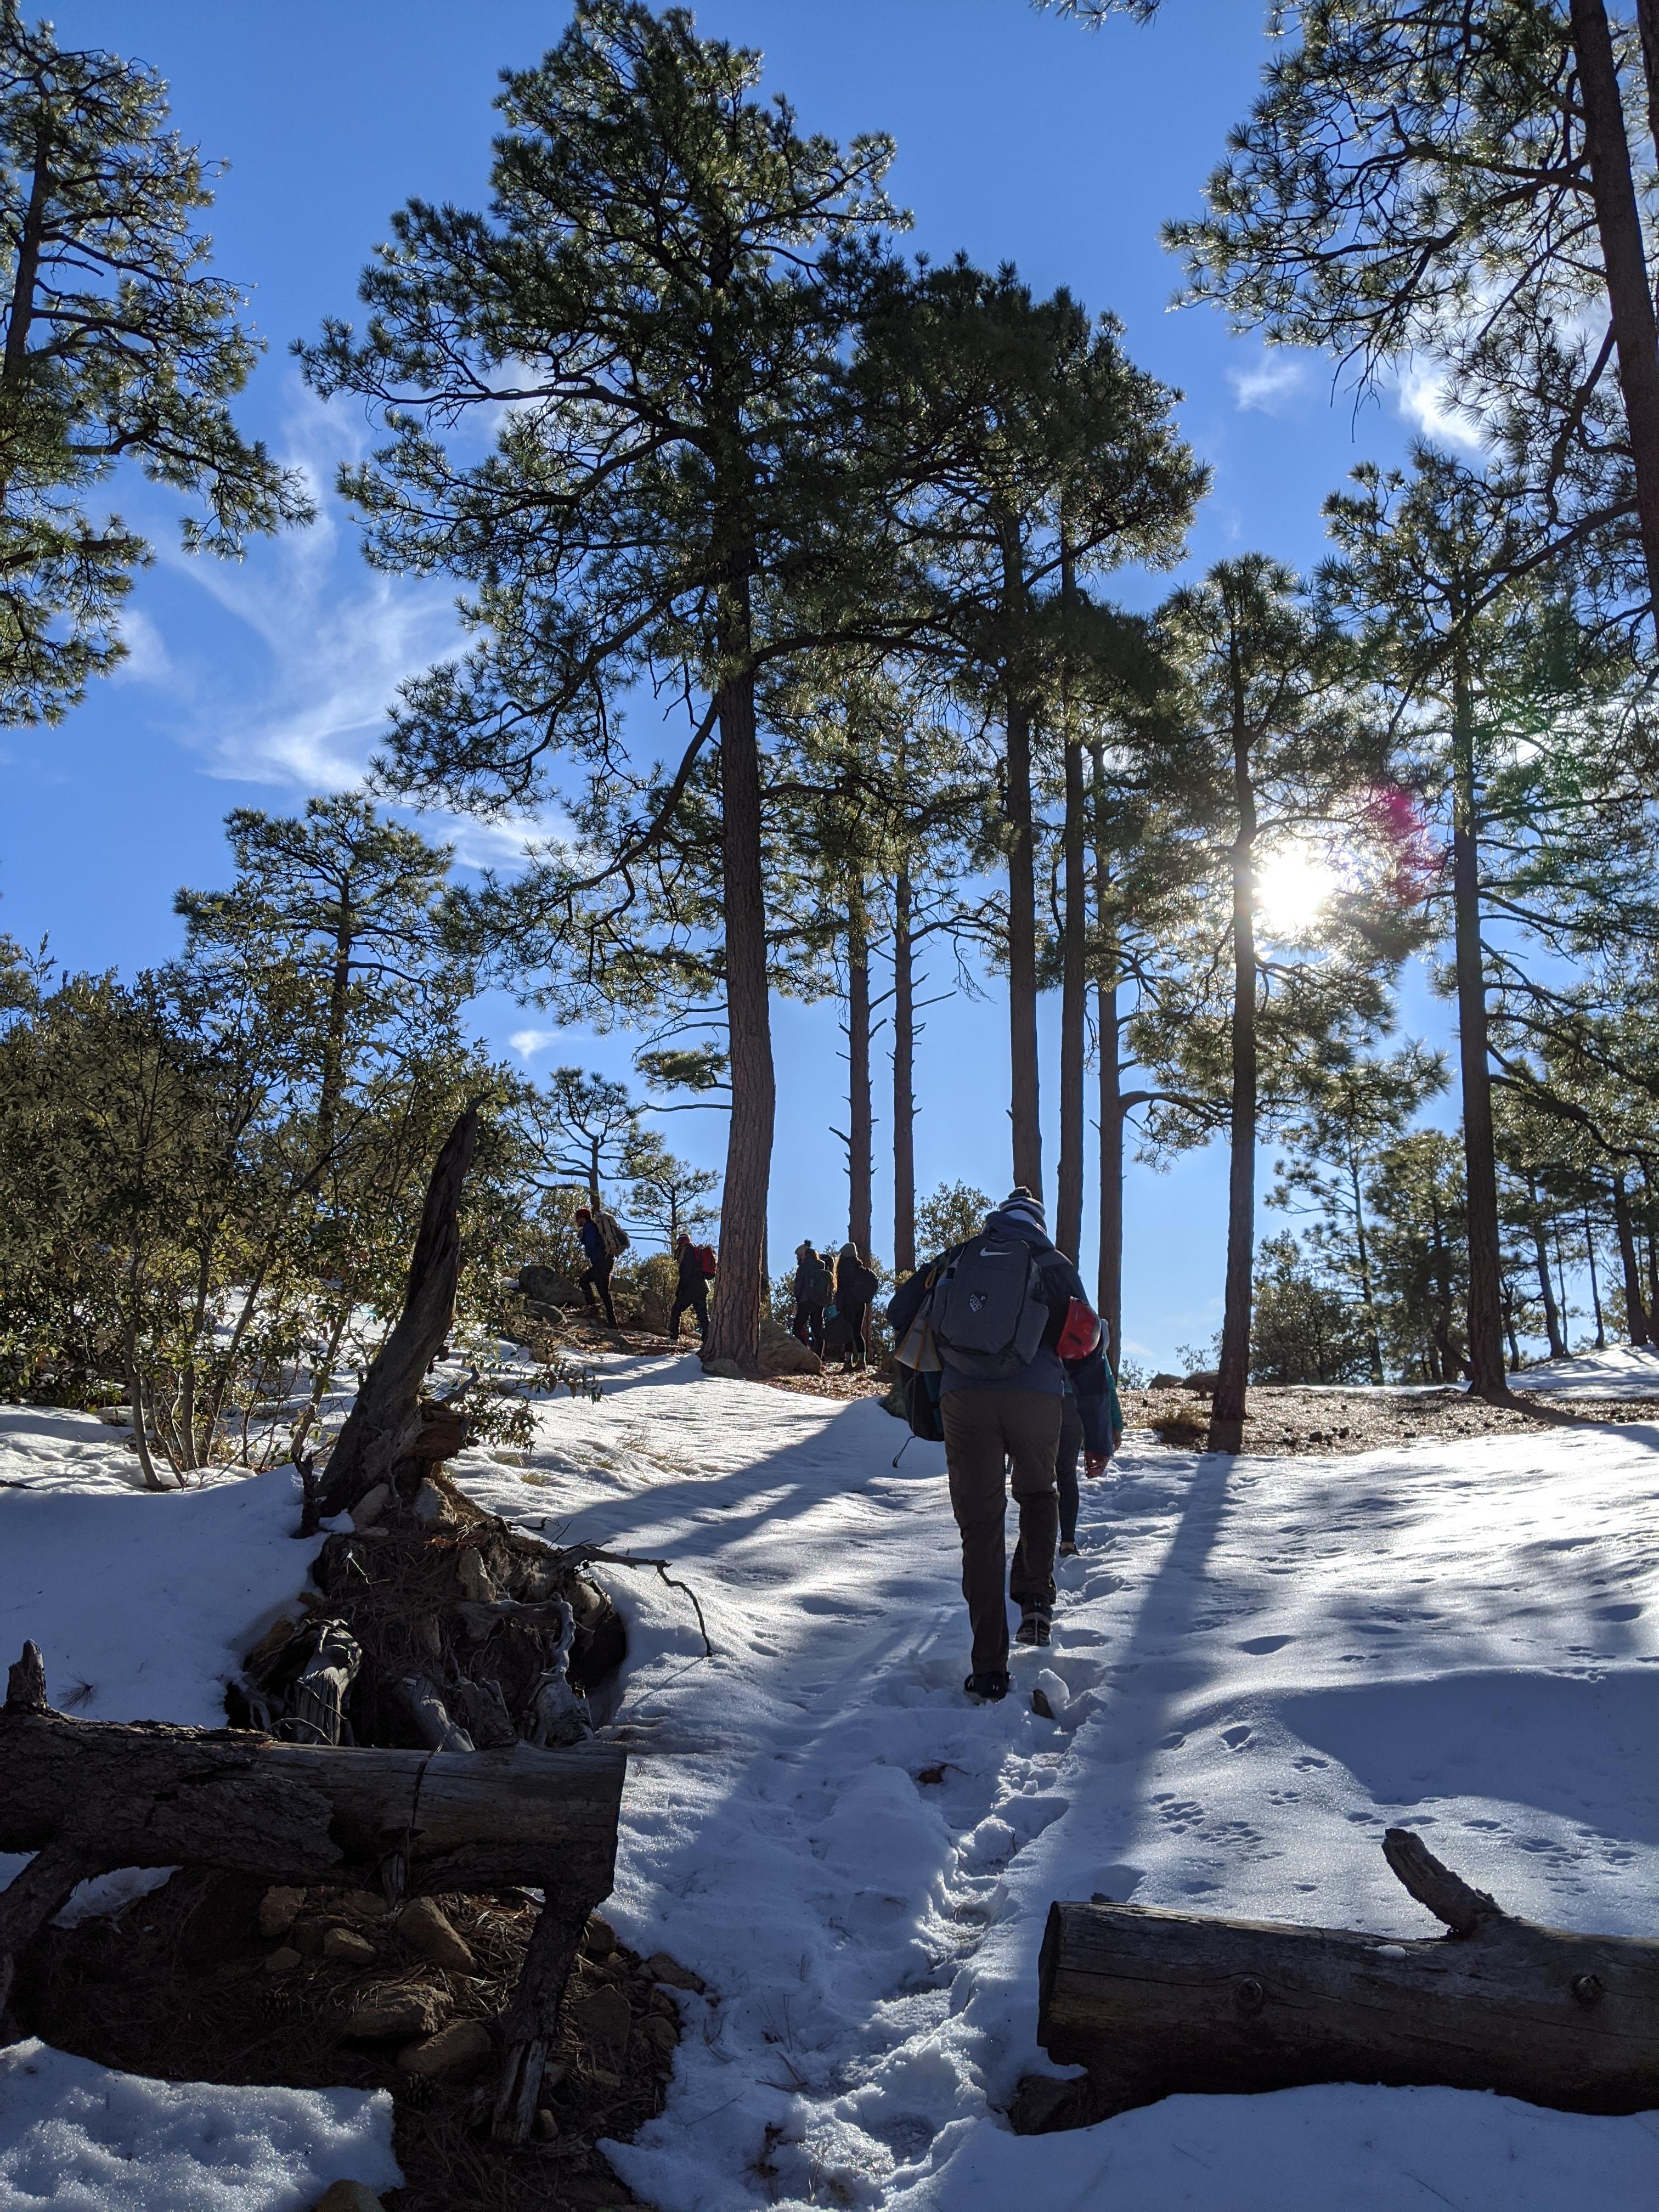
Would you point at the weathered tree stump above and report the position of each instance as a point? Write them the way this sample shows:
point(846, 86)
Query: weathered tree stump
point(383, 1431)
point(86, 1796)
point(1155, 2003)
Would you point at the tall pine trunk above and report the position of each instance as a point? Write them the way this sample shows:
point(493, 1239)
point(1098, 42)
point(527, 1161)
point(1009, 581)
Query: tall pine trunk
point(333, 1084)
point(1595, 1286)
point(734, 1314)
point(1074, 978)
point(904, 1082)
point(1227, 1410)
point(1023, 1107)
point(860, 1118)
point(1546, 1287)
point(1636, 1317)
point(1362, 1245)
point(1488, 1377)
point(1619, 223)
point(1110, 1274)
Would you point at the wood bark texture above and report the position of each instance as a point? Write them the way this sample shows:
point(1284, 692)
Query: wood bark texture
point(1156, 2003)
point(384, 1425)
point(86, 1796)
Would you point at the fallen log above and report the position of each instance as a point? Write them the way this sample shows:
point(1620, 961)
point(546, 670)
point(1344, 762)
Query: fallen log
point(1155, 2003)
point(86, 1796)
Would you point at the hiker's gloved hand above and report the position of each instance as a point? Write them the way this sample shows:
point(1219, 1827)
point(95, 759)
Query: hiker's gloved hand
point(1094, 1464)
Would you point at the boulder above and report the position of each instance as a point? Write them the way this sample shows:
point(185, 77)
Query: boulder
point(546, 1286)
point(1157, 1383)
point(278, 1910)
point(603, 2022)
point(394, 2012)
point(347, 2197)
point(460, 2048)
point(727, 1370)
point(1203, 1382)
point(430, 1932)
point(283, 1961)
point(347, 1945)
point(784, 1354)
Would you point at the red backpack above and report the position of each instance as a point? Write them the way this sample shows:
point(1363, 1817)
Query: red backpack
point(706, 1258)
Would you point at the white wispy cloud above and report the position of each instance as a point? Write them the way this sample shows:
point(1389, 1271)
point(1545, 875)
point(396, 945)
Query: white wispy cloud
point(1276, 379)
point(148, 660)
point(528, 1042)
point(1423, 394)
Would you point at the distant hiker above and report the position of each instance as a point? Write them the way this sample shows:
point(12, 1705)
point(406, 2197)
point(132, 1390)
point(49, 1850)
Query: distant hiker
point(600, 1260)
point(855, 1288)
point(1012, 1324)
point(1068, 1453)
point(815, 1285)
point(696, 1264)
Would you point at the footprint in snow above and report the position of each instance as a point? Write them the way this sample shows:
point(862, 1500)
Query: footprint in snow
point(1259, 1646)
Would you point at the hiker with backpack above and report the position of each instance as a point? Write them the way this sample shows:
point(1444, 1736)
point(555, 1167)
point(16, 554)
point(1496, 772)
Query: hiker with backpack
point(1004, 1320)
point(697, 1266)
point(815, 1285)
point(603, 1240)
point(855, 1287)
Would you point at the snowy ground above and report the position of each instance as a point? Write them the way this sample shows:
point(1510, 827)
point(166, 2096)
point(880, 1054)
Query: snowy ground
point(1623, 1370)
point(1261, 1663)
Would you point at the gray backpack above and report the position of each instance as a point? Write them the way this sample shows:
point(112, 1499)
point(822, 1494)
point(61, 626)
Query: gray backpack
point(988, 1313)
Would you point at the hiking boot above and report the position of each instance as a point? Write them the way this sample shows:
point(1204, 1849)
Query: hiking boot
point(1035, 1626)
point(1066, 1551)
point(986, 1689)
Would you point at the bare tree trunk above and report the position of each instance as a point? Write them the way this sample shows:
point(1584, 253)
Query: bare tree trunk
point(1233, 1369)
point(1596, 1287)
point(734, 1314)
point(1362, 1255)
point(1486, 1374)
point(1074, 981)
point(1022, 954)
point(1618, 222)
point(334, 1036)
point(385, 1418)
point(1068, 1211)
point(1109, 1272)
point(1636, 1317)
point(861, 1165)
point(904, 1092)
point(1547, 1288)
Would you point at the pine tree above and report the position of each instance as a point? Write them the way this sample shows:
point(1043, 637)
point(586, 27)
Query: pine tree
point(1029, 409)
point(650, 317)
point(1263, 742)
point(115, 346)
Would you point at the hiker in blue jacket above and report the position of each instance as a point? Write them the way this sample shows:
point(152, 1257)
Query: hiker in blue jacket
point(1012, 1326)
point(600, 1260)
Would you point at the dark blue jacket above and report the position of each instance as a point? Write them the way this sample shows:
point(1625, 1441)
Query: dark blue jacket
point(1046, 1372)
point(593, 1244)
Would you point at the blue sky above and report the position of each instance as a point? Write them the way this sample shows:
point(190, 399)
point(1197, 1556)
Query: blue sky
point(1021, 137)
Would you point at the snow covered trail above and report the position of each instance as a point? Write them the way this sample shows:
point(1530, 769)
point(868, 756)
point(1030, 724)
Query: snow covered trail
point(1257, 1666)
point(143, 1605)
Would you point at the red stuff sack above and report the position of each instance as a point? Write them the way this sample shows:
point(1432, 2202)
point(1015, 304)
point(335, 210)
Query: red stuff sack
point(706, 1260)
point(1080, 1333)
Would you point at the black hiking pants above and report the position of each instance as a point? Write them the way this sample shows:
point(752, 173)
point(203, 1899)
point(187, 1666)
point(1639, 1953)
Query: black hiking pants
point(598, 1278)
point(1066, 1456)
point(694, 1296)
point(808, 1324)
point(858, 1352)
point(988, 1435)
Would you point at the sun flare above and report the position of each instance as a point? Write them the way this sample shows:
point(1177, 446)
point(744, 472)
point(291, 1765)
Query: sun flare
point(1293, 887)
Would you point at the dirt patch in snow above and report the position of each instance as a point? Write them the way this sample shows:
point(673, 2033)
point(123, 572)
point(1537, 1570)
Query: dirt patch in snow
point(867, 1383)
point(1284, 1421)
point(180, 1987)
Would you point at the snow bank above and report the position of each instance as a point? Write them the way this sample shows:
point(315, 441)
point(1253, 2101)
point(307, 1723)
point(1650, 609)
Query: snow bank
point(1264, 1662)
point(1623, 1370)
point(142, 1604)
point(79, 2138)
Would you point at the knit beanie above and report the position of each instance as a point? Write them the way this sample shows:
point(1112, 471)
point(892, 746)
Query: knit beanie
point(1020, 1203)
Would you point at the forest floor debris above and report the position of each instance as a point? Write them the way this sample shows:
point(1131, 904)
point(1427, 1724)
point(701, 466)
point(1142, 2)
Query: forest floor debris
point(1283, 1421)
point(187, 1985)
